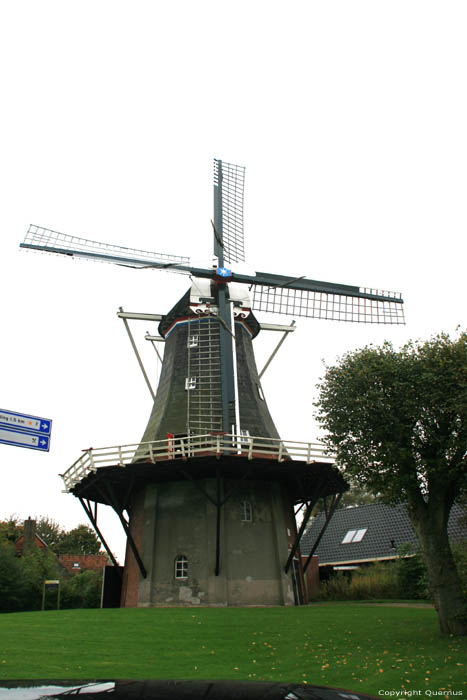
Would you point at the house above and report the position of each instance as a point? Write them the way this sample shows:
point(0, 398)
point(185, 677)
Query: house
point(367, 534)
point(29, 540)
point(73, 563)
point(76, 563)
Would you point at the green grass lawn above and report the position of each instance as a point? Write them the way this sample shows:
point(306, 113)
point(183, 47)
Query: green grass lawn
point(349, 645)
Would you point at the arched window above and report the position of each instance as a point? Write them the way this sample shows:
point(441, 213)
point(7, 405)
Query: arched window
point(181, 567)
point(246, 512)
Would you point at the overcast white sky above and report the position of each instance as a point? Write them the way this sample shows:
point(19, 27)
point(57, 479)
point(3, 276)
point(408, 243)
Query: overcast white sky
point(350, 118)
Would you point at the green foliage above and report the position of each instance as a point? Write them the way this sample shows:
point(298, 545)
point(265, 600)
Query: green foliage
point(11, 529)
point(411, 574)
point(398, 419)
point(355, 496)
point(82, 590)
point(36, 567)
point(376, 581)
point(80, 540)
point(50, 531)
point(22, 578)
point(11, 582)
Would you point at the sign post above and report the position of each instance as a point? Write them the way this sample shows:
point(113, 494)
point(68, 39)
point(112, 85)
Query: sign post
point(51, 585)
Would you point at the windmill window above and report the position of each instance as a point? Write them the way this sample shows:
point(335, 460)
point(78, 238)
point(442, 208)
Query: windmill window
point(244, 435)
point(260, 392)
point(246, 512)
point(193, 341)
point(354, 536)
point(181, 567)
point(190, 383)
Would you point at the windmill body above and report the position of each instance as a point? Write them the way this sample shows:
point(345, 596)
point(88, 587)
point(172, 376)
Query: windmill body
point(208, 497)
point(177, 522)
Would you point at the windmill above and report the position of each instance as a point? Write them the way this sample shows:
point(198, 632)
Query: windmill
point(208, 498)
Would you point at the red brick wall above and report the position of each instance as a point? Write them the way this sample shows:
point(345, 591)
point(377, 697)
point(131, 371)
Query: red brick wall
point(311, 575)
point(131, 572)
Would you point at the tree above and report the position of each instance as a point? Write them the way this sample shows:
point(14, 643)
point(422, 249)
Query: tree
point(397, 421)
point(11, 583)
point(50, 531)
point(36, 567)
point(355, 496)
point(79, 540)
point(82, 590)
point(11, 529)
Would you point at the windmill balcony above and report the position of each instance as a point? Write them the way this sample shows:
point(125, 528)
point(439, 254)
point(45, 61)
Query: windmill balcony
point(184, 448)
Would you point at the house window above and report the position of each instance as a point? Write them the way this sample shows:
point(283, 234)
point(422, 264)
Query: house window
point(354, 536)
point(181, 567)
point(190, 383)
point(246, 512)
point(193, 341)
point(76, 565)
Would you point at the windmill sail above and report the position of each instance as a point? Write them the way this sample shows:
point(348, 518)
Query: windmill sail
point(361, 306)
point(229, 183)
point(48, 241)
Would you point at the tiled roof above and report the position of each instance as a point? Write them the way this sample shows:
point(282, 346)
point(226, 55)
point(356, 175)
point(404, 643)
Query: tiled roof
point(387, 527)
point(84, 561)
point(38, 542)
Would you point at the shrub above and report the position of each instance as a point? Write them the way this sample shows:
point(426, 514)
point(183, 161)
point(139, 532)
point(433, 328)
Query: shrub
point(374, 581)
point(82, 590)
point(11, 582)
point(35, 568)
point(411, 574)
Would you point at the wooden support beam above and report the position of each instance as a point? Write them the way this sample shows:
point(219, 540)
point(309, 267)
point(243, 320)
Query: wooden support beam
point(93, 518)
point(329, 514)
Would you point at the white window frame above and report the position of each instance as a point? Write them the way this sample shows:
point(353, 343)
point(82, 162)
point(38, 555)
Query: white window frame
point(190, 383)
point(193, 341)
point(246, 512)
point(352, 536)
point(181, 567)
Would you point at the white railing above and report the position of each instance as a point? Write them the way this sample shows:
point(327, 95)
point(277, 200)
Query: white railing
point(181, 448)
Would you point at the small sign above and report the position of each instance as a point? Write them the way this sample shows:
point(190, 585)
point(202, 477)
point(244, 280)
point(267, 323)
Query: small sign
point(32, 424)
point(18, 438)
point(51, 584)
point(23, 430)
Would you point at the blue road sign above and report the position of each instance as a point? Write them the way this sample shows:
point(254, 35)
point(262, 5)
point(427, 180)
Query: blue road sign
point(20, 438)
point(32, 424)
point(23, 430)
